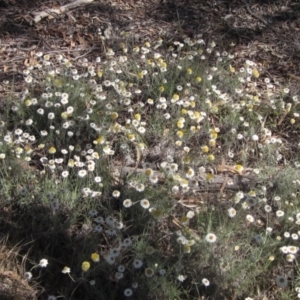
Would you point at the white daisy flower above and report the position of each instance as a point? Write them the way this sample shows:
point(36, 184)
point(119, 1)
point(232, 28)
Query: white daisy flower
point(137, 263)
point(281, 281)
point(82, 173)
point(211, 238)
point(145, 203)
point(205, 282)
point(128, 292)
point(43, 263)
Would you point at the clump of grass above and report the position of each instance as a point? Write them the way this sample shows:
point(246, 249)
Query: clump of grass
point(15, 281)
point(109, 169)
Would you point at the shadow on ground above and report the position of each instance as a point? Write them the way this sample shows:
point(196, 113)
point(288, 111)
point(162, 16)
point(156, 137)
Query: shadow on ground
point(41, 234)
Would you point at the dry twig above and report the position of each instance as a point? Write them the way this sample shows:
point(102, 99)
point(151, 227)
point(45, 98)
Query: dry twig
point(38, 16)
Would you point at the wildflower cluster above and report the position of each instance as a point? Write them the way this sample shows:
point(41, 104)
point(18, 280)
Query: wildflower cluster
point(90, 137)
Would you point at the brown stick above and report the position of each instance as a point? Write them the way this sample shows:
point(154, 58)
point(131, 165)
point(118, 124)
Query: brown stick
point(217, 183)
point(38, 16)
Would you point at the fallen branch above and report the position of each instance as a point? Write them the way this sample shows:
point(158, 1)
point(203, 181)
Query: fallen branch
point(218, 182)
point(51, 12)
